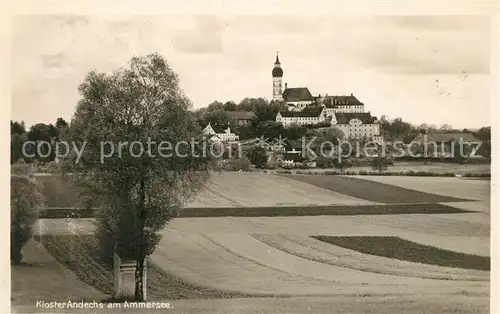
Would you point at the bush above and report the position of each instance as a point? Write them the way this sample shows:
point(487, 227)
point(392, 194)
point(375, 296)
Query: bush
point(380, 164)
point(331, 172)
point(476, 175)
point(342, 164)
point(284, 172)
point(106, 246)
point(324, 162)
point(257, 156)
point(237, 164)
point(26, 201)
point(360, 162)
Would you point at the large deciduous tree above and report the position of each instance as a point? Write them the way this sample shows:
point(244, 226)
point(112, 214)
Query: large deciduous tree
point(138, 194)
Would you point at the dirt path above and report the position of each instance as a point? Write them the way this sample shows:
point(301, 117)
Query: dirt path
point(44, 279)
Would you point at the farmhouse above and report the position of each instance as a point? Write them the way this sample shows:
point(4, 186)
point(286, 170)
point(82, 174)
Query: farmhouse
point(241, 117)
point(219, 134)
point(308, 116)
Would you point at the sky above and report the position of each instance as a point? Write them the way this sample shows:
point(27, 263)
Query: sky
point(432, 69)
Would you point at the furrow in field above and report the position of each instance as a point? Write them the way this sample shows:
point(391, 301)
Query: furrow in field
point(315, 250)
point(250, 248)
point(197, 259)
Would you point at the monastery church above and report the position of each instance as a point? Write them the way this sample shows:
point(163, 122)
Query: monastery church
point(344, 112)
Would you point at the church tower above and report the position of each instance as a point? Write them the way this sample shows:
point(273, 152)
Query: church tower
point(277, 80)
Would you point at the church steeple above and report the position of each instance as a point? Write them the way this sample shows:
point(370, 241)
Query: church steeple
point(277, 80)
point(277, 70)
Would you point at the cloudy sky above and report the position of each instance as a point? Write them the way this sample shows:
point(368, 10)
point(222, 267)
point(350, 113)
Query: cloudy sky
point(432, 69)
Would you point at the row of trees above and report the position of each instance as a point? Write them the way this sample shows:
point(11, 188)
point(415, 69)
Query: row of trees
point(216, 112)
point(398, 129)
point(40, 132)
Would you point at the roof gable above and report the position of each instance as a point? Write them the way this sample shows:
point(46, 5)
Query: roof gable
point(364, 117)
point(217, 129)
point(208, 129)
point(333, 101)
point(297, 94)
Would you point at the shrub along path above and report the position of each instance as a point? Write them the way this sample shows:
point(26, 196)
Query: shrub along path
point(373, 191)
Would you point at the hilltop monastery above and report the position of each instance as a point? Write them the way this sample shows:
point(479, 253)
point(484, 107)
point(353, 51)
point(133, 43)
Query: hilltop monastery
point(344, 112)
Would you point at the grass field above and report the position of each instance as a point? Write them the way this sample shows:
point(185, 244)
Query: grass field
point(451, 187)
point(372, 191)
point(394, 247)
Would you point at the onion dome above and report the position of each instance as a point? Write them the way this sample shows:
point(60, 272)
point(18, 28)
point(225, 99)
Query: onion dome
point(277, 70)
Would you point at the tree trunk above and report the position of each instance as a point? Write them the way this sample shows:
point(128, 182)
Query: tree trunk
point(140, 281)
point(140, 258)
point(16, 246)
